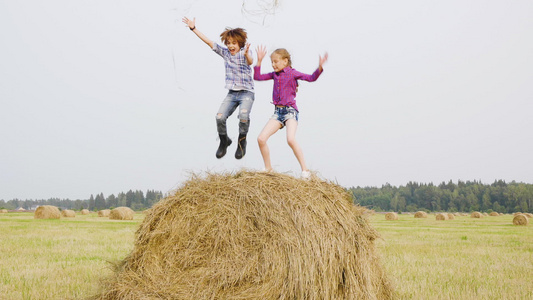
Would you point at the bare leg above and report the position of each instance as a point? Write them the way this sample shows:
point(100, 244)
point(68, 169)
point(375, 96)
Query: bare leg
point(271, 127)
point(292, 125)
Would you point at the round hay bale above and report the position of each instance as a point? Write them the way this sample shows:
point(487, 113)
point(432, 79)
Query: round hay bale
point(441, 217)
point(494, 214)
point(47, 212)
point(391, 216)
point(67, 213)
point(253, 235)
point(85, 212)
point(121, 213)
point(421, 214)
point(520, 220)
point(528, 215)
point(485, 214)
point(3, 211)
point(104, 213)
point(457, 214)
point(477, 215)
point(451, 216)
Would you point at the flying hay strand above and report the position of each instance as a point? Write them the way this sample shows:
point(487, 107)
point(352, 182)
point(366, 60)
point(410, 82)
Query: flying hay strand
point(252, 236)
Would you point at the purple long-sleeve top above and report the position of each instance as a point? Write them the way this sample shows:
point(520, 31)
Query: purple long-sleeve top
point(285, 84)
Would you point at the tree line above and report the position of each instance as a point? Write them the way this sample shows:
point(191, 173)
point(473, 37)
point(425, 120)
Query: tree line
point(465, 196)
point(136, 200)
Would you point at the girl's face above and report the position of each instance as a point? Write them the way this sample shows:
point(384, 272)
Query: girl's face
point(278, 63)
point(233, 45)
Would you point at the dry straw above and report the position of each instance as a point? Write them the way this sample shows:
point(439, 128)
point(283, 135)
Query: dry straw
point(104, 213)
point(494, 214)
point(421, 214)
point(520, 220)
point(477, 215)
point(47, 212)
point(451, 216)
point(85, 211)
point(121, 213)
point(528, 215)
point(391, 216)
point(252, 236)
point(3, 211)
point(441, 217)
point(67, 213)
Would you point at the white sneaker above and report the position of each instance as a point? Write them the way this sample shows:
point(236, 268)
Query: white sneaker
point(306, 174)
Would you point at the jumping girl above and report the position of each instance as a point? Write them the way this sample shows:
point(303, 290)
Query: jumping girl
point(284, 94)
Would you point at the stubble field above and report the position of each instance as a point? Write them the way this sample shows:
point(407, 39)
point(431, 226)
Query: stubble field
point(464, 258)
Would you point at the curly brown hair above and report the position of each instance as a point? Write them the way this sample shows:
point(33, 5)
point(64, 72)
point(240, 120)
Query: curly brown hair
point(238, 34)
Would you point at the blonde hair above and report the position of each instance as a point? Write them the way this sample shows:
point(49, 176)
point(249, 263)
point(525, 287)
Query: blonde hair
point(283, 53)
point(238, 34)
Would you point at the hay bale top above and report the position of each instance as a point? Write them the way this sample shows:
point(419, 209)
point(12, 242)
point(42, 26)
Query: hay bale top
point(47, 212)
point(253, 235)
point(421, 214)
point(121, 213)
point(68, 213)
point(520, 219)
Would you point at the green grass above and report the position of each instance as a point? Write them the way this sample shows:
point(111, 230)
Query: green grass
point(464, 258)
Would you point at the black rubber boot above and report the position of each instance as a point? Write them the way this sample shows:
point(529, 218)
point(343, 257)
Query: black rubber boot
point(241, 147)
point(224, 143)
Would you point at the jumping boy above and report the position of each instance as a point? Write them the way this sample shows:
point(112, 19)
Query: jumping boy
point(239, 82)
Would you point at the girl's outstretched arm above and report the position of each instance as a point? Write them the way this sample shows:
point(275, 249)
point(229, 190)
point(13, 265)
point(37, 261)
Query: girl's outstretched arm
point(192, 26)
point(261, 52)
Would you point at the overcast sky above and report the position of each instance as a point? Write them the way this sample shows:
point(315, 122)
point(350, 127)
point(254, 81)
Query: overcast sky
point(107, 96)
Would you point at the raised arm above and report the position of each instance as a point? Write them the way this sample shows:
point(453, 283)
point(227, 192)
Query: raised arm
point(261, 52)
point(249, 58)
point(192, 26)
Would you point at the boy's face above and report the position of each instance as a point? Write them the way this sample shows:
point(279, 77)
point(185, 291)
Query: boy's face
point(278, 63)
point(233, 45)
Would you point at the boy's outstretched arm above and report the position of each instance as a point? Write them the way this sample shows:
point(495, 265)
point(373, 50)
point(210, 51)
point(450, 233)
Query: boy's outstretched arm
point(192, 26)
point(249, 58)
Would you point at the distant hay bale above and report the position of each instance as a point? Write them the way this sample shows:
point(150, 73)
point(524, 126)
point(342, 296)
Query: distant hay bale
point(253, 235)
point(3, 211)
point(441, 217)
point(421, 214)
point(457, 214)
point(485, 214)
point(494, 214)
point(520, 220)
point(528, 215)
point(477, 215)
point(67, 213)
point(391, 216)
point(47, 212)
point(85, 212)
point(121, 213)
point(451, 217)
point(517, 213)
point(104, 213)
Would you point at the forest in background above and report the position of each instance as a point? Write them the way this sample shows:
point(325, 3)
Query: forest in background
point(136, 200)
point(463, 196)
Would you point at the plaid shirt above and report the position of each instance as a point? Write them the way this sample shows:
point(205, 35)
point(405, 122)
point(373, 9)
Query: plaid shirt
point(285, 84)
point(238, 72)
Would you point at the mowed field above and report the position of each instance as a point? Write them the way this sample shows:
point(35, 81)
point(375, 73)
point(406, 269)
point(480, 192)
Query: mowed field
point(464, 258)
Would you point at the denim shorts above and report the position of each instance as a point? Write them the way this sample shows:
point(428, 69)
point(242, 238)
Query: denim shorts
point(284, 113)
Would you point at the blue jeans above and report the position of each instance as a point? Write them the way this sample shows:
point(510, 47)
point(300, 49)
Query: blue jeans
point(284, 113)
point(244, 100)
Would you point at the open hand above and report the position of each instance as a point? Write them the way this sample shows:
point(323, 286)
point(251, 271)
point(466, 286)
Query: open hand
point(322, 60)
point(261, 53)
point(189, 23)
